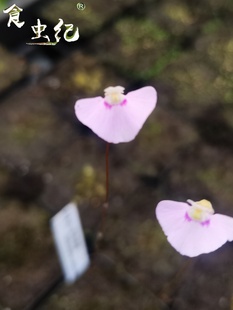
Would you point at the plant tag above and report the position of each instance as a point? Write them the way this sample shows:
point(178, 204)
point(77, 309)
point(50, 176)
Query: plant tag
point(70, 243)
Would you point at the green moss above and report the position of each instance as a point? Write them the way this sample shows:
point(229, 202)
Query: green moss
point(3, 67)
point(228, 96)
point(152, 131)
point(178, 12)
point(81, 79)
point(89, 188)
point(161, 64)
point(87, 20)
point(192, 81)
point(21, 235)
point(139, 34)
point(23, 134)
point(211, 26)
point(150, 238)
point(15, 245)
point(218, 180)
point(140, 48)
point(28, 127)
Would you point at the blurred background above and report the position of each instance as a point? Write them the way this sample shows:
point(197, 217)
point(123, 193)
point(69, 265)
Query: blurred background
point(47, 158)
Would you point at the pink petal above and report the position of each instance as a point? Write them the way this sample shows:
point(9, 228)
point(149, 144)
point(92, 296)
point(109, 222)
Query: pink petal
point(226, 222)
point(190, 237)
point(119, 123)
point(169, 214)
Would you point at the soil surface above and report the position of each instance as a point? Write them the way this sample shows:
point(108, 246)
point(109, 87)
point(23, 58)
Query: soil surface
point(48, 158)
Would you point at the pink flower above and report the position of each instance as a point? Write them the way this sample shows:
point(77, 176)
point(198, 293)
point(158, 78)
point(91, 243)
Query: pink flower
point(117, 117)
point(192, 228)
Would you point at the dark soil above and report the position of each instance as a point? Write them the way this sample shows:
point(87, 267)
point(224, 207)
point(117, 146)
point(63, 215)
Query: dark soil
point(48, 158)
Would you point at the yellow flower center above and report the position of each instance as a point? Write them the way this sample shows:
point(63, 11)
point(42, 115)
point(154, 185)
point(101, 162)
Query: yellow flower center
point(200, 211)
point(114, 95)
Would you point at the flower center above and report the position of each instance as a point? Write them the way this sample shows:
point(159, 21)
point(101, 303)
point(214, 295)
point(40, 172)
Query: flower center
point(200, 211)
point(114, 96)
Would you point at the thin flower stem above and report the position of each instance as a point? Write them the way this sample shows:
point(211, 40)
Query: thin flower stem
point(107, 173)
point(106, 203)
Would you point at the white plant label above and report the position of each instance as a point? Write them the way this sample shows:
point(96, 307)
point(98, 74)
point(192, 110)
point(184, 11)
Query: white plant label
point(70, 243)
